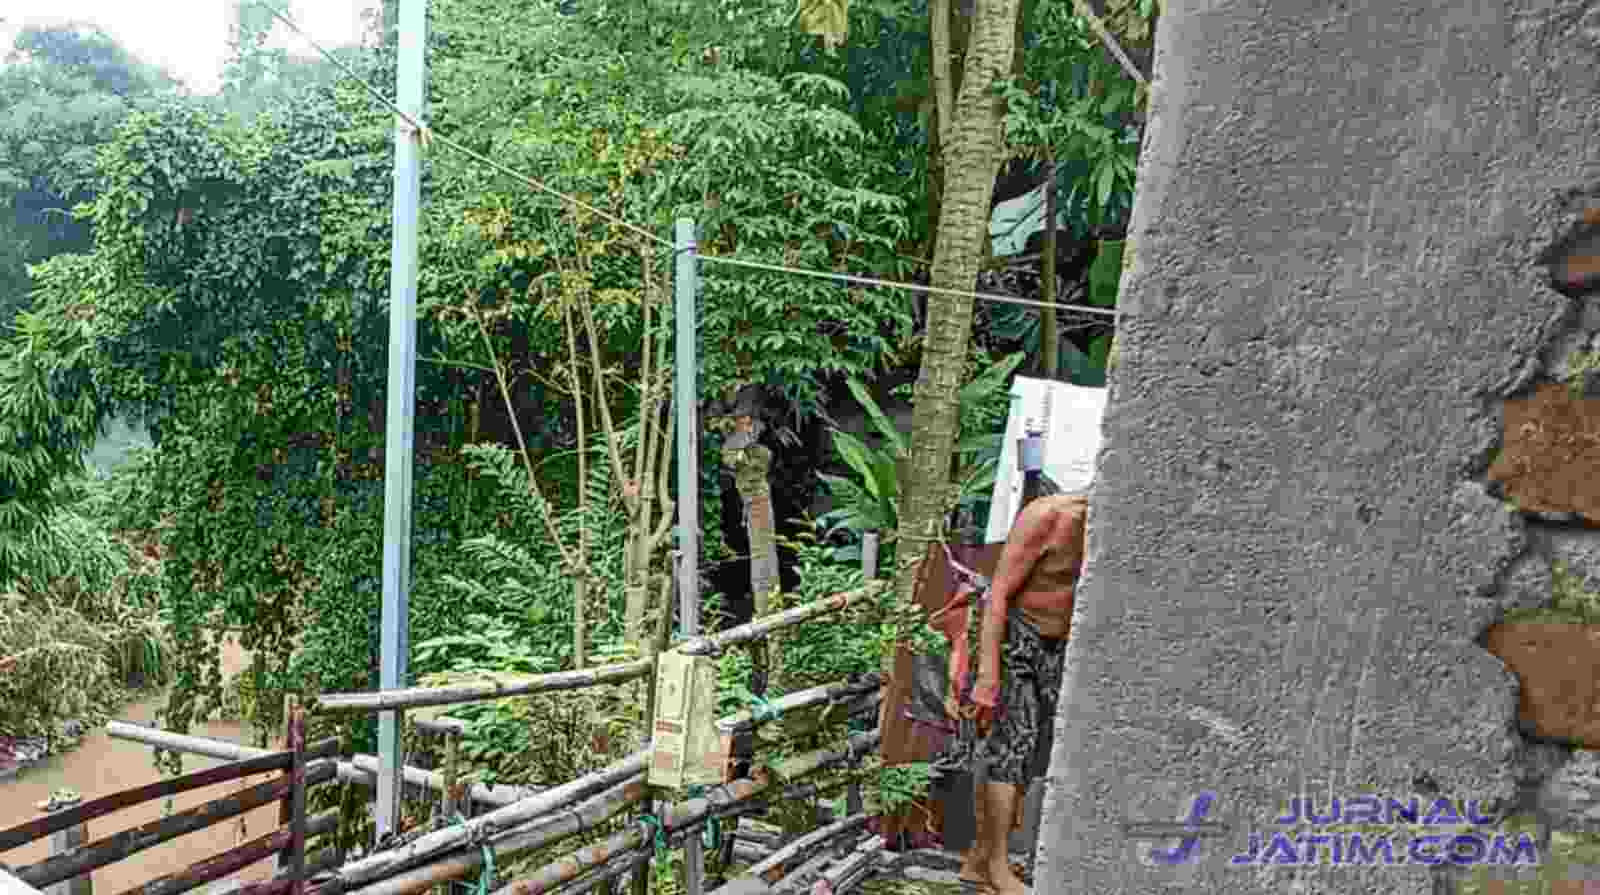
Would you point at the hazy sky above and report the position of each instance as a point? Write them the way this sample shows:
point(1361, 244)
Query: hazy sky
point(188, 37)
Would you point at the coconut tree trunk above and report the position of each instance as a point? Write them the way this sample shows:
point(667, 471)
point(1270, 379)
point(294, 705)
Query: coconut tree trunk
point(973, 155)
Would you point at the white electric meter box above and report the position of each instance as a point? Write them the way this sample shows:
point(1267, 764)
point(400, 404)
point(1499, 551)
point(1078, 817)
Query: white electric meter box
point(687, 749)
point(1068, 417)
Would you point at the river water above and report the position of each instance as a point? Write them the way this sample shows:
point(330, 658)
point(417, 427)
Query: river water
point(101, 765)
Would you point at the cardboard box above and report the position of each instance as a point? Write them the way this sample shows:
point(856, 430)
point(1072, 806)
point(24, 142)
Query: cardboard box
point(687, 749)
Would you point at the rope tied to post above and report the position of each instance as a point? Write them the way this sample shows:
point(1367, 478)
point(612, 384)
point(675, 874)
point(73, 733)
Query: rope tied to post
point(762, 709)
point(711, 833)
point(650, 822)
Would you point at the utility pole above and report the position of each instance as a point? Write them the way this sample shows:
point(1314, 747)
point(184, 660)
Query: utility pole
point(400, 420)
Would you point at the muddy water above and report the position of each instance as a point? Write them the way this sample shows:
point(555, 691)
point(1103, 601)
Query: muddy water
point(101, 765)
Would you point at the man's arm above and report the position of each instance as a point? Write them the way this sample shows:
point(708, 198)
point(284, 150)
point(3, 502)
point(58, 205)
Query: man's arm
point(1029, 539)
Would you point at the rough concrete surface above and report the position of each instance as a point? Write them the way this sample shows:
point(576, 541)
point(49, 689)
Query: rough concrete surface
point(1332, 288)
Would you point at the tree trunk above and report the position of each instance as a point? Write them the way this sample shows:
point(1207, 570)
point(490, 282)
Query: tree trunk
point(751, 465)
point(973, 153)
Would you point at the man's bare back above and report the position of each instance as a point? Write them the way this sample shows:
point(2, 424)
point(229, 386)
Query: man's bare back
point(1046, 594)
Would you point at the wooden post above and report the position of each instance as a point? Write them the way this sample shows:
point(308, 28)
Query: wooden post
point(65, 841)
point(657, 645)
point(295, 804)
point(449, 802)
point(285, 807)
point(869, 571)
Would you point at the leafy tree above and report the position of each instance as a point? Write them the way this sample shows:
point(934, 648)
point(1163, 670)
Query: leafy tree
point(63, 92)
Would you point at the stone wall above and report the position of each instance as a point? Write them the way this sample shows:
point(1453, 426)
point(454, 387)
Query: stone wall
point(1339, 274)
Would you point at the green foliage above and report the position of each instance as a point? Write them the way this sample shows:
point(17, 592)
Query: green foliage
point(63, 92)
point(85, 624)
point(49, 414)
point(871, 503)
point(1571, 602)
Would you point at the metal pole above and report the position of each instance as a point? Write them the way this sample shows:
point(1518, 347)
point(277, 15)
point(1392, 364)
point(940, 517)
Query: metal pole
point(686, 285)
point(399, 422)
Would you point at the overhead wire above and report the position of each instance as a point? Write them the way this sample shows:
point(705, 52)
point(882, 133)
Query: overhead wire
point(915, 287)
point(427, 135)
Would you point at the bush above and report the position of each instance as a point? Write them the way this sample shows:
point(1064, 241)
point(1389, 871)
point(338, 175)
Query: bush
point(83, 624)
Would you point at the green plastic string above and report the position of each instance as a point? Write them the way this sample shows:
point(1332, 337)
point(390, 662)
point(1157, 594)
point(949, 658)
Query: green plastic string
point(762, 710)
point(711, 833)
point(650, 820)
point(487, 874)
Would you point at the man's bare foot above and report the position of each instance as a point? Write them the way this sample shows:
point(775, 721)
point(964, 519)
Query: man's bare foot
point(1003, 880)
point(972, 871)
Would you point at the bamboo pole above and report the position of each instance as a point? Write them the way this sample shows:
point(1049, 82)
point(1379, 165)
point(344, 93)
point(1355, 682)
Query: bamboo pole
point(518, 841)
point(680, 817)
point(794, 883)
point(619, 866)
point(361, 769)
point(852, 869)
point(832, 694)
point(715, 643)
point(387, 863)
point(804, 846)
point(498, 796)
point(658, 645)
point(454, 694)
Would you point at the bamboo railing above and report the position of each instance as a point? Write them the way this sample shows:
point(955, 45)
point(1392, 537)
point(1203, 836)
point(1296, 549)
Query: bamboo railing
point(529, 821)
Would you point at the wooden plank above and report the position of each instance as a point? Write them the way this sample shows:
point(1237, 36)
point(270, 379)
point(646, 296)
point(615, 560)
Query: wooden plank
point(233, 860)
point(22, 834)
point(114, 848)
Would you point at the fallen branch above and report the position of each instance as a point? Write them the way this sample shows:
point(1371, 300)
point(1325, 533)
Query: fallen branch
point(453, 694)
point(714, 644)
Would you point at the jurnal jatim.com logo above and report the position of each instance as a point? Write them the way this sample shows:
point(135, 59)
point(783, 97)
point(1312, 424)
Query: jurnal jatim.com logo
point(1361, 830)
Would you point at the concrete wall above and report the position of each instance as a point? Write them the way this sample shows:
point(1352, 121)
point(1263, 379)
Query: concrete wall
point(1292, 547)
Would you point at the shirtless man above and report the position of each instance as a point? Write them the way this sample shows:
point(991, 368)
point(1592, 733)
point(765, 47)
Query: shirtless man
point(1021, 643)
